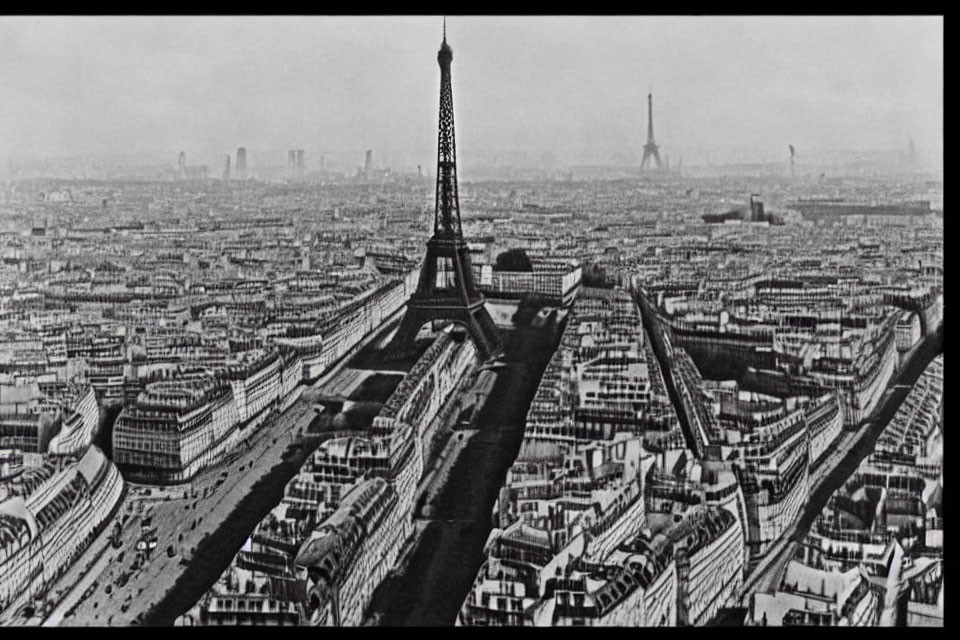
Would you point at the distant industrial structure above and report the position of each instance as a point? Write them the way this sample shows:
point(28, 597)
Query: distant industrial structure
point(756, 214)
point(827, 209)
point(295, 163)
point(241, 163)
point(185, 172)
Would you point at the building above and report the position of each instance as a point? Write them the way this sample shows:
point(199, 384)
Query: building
point(242, 163)
point(603, 379)
point(176, 428)
point(322, 553)
point(48, 516)
point(350, 553)
point(768, 442)
point(824, 425)
point(908, 330)
point(815, 597)
point(825, 209)
point(558, 287)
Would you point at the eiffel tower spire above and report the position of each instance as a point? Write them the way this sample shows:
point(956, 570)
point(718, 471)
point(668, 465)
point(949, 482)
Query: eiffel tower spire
point(446, 289)
point(447, 212)
point(651, 150)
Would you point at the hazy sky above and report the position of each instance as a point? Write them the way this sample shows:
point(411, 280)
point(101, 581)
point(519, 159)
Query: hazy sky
point(575, 86)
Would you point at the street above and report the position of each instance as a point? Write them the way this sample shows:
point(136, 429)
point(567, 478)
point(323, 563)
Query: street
point(429, 588)
point(203, 523)
point(181, 524)
point(843, 462)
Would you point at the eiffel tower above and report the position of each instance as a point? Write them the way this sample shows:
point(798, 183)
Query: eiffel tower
point(651, 149)
point(446, 290)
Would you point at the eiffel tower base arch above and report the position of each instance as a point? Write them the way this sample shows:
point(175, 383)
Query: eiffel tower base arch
point(474, 318)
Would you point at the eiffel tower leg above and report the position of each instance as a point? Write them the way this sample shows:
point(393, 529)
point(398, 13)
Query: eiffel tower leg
point(480, 340)
point(489, 333)
point(484, 332)
point(478, 323)
point(402, 344)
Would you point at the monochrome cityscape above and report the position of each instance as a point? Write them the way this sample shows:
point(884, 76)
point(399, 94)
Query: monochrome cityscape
point(638, 377)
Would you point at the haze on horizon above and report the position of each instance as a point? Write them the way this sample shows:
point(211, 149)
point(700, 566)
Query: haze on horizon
point(573, 88)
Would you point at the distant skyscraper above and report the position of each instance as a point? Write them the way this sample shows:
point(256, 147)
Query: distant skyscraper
point(241, 163)
point(182, 164)
point(368, 162)
point(300, 153)
point(756, 208)
point(226, 169)
point(291, 161)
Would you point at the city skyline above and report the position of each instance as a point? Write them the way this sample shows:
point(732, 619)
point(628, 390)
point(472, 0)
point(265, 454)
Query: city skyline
point(614, 394)
point(540, 85)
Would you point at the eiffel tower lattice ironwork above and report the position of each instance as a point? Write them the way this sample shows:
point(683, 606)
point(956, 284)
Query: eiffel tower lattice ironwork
point(446, 289)
point(651, 149)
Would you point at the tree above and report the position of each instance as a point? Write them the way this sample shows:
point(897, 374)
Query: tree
point(596, 276)
point(530, 305)
point(513, 260)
